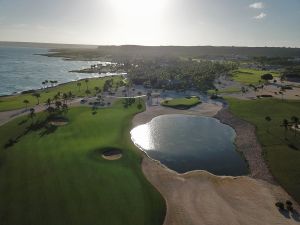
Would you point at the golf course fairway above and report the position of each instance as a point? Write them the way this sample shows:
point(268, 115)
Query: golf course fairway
point(58, 177)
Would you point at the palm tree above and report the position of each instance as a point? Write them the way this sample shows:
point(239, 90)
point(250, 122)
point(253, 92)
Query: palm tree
point(86, 83)
point(285, 124)
point(26, 102)
point(79, 86)
point(58, 104)
point(87, 92)
point(295, 121)
point(97, 89)
point(216, 91)
point(48, 102)
point(56, 97)
point(32, 114)
point(65, 108)
point(65, 98)
point(46, 83)
point(37, 95)
point(268, 119)
point(70, 95)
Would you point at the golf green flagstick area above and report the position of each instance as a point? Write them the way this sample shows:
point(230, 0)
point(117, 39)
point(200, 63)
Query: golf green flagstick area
point(57, 176)
point(281, 146)
point(182, 103)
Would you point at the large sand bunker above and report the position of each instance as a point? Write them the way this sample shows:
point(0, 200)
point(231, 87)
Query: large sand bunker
point(201, 198)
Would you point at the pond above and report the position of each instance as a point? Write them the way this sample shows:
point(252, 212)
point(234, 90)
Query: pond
point(185, 143)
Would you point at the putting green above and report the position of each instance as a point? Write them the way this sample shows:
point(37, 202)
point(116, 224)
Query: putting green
point(54, 177)
point(182, 103)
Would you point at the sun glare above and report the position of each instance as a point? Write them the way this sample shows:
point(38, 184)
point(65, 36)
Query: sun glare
point(138, 20)
point(138, 7)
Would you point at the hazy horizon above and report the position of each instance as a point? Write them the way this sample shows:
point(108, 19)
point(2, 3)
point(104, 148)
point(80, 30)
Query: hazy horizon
point(268, 23)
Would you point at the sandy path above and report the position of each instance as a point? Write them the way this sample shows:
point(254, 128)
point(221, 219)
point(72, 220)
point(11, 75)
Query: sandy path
point(200, 198)
point(204, 109)
point(247, 143)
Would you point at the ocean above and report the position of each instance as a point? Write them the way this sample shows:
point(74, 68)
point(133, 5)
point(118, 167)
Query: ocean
point(21, 69)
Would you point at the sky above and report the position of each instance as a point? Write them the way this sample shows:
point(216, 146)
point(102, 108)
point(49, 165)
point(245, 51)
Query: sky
point(152, 22)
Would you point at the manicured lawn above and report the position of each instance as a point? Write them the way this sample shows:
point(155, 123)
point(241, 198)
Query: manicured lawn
point(282, 156)
point(250, 76)
point(230, 90)
point(60, 178)
point(16, 101)
point(182, 103)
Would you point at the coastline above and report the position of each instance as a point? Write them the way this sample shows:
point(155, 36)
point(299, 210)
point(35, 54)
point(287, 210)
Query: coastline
point(199, 197)
point(58, 85)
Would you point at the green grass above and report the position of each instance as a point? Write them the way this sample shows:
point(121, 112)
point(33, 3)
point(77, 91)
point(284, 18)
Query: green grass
point(16, 101)
point(251, 76)
point(182, 103)
point(59, 178)
point(230, 90)
point(283, 161)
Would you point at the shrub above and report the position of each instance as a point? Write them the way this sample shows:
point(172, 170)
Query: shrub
point(279, 205)
point(267, 76)
point(289, 205)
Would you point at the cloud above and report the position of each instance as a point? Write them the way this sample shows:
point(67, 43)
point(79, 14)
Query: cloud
point(260, 16)
point(257, 5)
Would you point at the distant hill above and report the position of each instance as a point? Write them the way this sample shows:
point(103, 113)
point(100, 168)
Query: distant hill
point(125, 52)
point(195, 51)
point(43, 45)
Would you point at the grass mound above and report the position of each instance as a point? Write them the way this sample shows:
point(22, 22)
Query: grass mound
point(182, 103)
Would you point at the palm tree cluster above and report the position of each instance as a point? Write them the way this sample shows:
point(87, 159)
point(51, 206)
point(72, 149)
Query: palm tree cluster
point(178, 74)
point(37, 95)
point(128, 102)
point(46, 82)
point(108, 85)
point(59, 101)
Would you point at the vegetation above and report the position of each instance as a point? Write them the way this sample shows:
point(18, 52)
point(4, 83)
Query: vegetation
point(281, 148)
point(125, 52)
point(230, 90)
point(41, 96)
point(182, 103)
point(177, 74)
point(57, 176)
point(251, 76)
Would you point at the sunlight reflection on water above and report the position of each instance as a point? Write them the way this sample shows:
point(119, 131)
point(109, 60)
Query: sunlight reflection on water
point(185, 143)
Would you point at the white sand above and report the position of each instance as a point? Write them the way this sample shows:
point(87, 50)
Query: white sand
point(201, 198)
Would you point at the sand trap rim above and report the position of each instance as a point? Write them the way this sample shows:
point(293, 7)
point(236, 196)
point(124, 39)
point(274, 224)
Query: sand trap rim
point(111, 153)
point(58, 121)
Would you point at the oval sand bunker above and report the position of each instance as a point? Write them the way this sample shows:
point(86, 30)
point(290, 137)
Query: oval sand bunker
point(58, 121)
point(112, 154)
